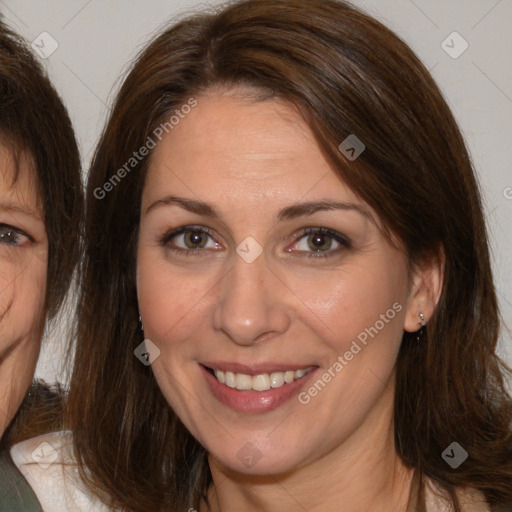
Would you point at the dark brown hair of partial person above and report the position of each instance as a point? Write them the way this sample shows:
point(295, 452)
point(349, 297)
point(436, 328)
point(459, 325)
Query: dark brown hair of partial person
point(346, 74)
point(34, 121)
point(40, 412)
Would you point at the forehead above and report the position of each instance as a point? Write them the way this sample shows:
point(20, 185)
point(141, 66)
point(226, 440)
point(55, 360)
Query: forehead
point(227, 126)
point(18, 180)
point(248, 146)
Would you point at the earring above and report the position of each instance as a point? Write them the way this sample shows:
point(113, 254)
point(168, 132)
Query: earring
point(421, 324)
point(140, 322)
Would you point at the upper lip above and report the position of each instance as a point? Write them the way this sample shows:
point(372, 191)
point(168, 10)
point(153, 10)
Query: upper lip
point(254, 368)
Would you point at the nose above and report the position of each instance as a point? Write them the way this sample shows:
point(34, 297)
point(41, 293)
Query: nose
point(252, 303)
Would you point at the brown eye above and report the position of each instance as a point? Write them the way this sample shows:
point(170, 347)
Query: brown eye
point(12, 236)
point(190, 240)
point(319, 242)
point(195, 239)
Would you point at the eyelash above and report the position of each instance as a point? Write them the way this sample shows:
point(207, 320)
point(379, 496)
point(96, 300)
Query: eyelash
point(334, 235)
point(17, 233)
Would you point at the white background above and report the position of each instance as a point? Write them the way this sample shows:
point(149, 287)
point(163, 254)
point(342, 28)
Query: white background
point(97, 39)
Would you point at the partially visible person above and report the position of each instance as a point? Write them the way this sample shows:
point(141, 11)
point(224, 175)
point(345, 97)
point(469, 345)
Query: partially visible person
point(41, 204)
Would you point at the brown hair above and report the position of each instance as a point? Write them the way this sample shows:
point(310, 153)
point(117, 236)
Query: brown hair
point(40, 412)
point(347, 74)
point(33, 120)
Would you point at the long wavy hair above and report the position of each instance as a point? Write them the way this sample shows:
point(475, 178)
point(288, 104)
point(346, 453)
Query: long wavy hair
point(346, 73)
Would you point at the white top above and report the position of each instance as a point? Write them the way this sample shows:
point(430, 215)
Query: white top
point(436, 499)
point(48, 464)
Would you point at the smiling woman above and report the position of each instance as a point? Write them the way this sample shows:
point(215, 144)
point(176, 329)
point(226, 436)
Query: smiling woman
point(40, 211)
point(23, 250)
point(312, 227)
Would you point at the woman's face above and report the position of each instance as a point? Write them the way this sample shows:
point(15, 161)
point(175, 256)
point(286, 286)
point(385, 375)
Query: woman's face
point(256, 262)
point(23, 254)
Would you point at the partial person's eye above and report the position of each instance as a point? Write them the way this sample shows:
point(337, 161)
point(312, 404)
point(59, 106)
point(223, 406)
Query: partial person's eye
point(189, 240)
point(9, 235)
point(320, 243)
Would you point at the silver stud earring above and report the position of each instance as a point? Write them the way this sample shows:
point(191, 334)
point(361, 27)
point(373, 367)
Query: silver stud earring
point(140, 322)
point(421, 324)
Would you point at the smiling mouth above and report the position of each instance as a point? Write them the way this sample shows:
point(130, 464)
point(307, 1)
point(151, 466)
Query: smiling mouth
point(260, 382)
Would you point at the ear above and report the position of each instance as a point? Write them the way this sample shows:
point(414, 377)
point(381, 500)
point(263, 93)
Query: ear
point(425, 285)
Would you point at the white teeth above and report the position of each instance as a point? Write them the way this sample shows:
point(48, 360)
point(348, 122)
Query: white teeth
point(300, 373)
point(243, 381)
point(261, 382)
point(230, 379)
point(276, 379)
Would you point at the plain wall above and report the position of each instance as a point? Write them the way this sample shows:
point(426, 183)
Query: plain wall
point(97, 40)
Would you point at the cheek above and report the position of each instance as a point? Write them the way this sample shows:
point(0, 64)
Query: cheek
point(168, 297)
point(22, 319)
point(7, 288)
point(362, 314)
point(22, 300)
point(356, 300)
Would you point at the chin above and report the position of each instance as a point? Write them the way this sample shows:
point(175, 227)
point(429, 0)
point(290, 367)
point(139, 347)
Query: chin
point(256, 465)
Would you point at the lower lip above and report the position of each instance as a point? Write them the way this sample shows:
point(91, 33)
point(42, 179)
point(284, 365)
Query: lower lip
point(254, 401)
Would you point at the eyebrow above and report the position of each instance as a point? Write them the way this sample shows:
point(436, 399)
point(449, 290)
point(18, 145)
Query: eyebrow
point(14, 207)
point(289, 212)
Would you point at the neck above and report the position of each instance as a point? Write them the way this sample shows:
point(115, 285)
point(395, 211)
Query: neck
point(361, 472)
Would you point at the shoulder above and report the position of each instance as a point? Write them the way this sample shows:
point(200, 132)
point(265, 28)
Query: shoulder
point(436, 499)
point(48, 465)
point(15, 493)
